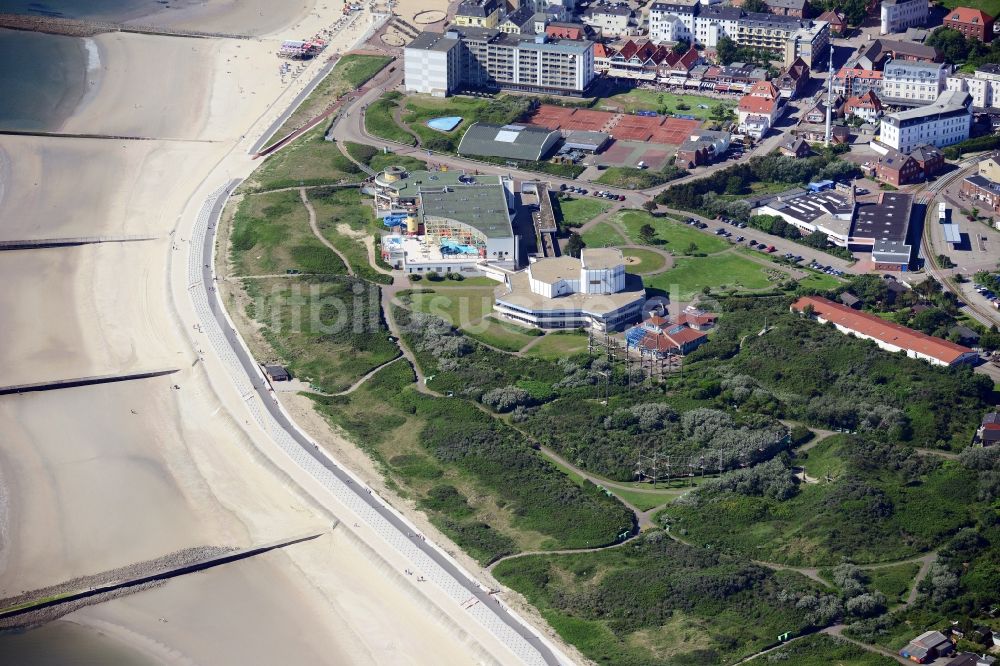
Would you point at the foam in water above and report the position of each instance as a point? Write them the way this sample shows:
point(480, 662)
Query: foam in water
point(93, 55)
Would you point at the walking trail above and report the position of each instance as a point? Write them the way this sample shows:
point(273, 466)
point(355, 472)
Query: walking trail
point(315, 229)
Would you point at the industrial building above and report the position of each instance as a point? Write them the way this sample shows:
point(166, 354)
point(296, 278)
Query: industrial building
point(441, 64)
point(513, 142)
point(945, 122)
point(593, 291)
point(887, 335)
point(445, 221)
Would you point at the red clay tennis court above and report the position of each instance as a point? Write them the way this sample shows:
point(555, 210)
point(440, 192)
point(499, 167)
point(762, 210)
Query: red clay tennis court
point(636, 128)
point(675, 131)
point(558, 117)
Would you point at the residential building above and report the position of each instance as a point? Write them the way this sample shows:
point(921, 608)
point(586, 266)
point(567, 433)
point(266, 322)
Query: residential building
point(640, 61)
point(611, 20)
point(796, 8)
point(893, 337)
point(593, 291)
point(796, 38)
point(795, 147)
point(929, 645)
point(792, 82)
point(898, 15)
point(838, 26)
point(714, 23)
point(988, 433)
point(983, 191)
point(990, 167)
point(521, 21)
point(662, 335)
point(671, 21)
point(897, 168)
point(913, 83)
point(560, 30)
point(943, 123)
point(478, 13)
point(874, 54)
point(602, 57)
point(973, 23)
point(759, 109)
point(853, 82)
point(440, 64)
point(929, 159)
point(702, 147)
point(817, 114)
point(513, 142)
point(453, 222)
point(972, 659)
point(868, 107)
point(983, 86)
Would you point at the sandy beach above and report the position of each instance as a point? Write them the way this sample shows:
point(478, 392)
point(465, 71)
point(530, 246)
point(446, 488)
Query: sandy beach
point(99, 477)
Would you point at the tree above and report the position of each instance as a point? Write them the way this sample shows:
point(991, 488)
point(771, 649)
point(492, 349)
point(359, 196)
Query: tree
point(682, 46)
point(691, 249)
point(649, 205)
point(726, 50)
point(647, 233)
point(721, 112)
point(758, 6)
point(734, 185)
point(574, 245)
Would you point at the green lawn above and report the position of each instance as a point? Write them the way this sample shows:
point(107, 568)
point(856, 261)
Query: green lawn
point(648, 261)
point(578, 211)
point(309, 160)
point(722, 272)
point(644, 501)
point(602, 234)
point(670, 235)
point(651, 100)
point(459, 306)
point(559, 345)
point(271, 234)
point(501, 334)
point(820, 281)
point(342, 215)
point(631, 178)
point(894, 582)
point(379, 121)
point(823, 650)
point(350, 73)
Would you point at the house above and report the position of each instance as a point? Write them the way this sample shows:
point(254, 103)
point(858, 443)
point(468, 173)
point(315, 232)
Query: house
point(702, 147)
point(521, 21)
point(837, 23)
point(988, 433)
point(868, 107)
point(896, 168)
point(696, 318)
point(793, 80)
point(972, 23)
point(927, 647)
point(856, 81)
point(963, 335)
point(559, 30)
point(892, 337)
point(874, 54)
point(850, 300)
point(815, 115)
point(982, 191)
point(759, 109)
point(894, 289)
point(276, 373)
point(638, 60)
point(602, 55)
point(794, 147)
point(796, 8)
point(478, 13)
point(972, 659)
point(929, 159)
point(662, 335)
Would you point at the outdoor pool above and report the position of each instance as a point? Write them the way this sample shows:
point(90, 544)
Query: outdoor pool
point(446, 124)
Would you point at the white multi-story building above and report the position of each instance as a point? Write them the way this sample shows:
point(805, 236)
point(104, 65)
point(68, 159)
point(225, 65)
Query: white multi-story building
point(983, 86)
point(611, 21)
point(713, 23)
point(910, 83)
point(898, 15)
point(439, 64)
point(671, 22)
point(943, 123)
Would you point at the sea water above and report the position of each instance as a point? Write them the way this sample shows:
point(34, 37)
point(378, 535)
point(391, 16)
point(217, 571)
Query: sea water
point(44, 77)
point(61, 643)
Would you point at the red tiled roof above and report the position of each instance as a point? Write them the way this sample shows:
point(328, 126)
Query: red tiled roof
point(859, 73)
point(628, 49)
point(602, 50)
point(867, 101)
point(880, 329)
point(752, 104)
point(764, 89)
point(667, 341)
point(831, 17)
point(968, 15)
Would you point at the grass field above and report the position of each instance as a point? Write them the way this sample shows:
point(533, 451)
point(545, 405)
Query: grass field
point(651, 100)
point(822, 650)
point(649, 261)
point(350, 73)
point(894, 582)
point(379, 121)
point(991, 7)
point(602, 234)
point(421, 108)
point(670, 235)
point(501, 334)
point(720, 272)
point(343, 215)
point(308, 322)
point(578, 211)
point(559, 345)
point(271, 235)
point(460, 306)
point(309, 160)
point(631, 178)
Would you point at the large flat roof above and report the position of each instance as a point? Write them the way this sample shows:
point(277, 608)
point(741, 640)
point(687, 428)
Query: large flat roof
point(432, 41)
point(880, 329)
point(520, 296)
point(482, 207)
point(888, 220)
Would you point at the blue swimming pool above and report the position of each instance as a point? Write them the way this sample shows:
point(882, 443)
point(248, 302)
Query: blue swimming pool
point(446, 124)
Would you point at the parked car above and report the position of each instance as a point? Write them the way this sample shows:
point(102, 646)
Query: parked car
point(771, 248)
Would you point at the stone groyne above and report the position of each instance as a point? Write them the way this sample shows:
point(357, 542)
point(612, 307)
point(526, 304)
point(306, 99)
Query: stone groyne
point(54, 25)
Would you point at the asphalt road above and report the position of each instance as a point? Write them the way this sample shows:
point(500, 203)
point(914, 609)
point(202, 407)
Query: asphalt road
point(262, 389)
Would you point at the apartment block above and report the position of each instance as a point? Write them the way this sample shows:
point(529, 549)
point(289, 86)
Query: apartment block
point(943, 123)
point(913, 83)
point(898, 15)
point(983, 86)
point(440, 64)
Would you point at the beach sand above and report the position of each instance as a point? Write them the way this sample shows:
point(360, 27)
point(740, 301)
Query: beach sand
point(98, 477)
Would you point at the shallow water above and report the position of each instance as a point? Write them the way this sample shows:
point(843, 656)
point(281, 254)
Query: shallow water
point(60, 643)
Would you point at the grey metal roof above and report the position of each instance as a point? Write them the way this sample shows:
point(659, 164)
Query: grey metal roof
point(520, 16)
point(888, 220)
point(479, 8)
point(609, 11)
point(786, 4)
point(676, 8)
point(433, 41)
point(482, 207)
point(586, 140)
point(516, 142)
